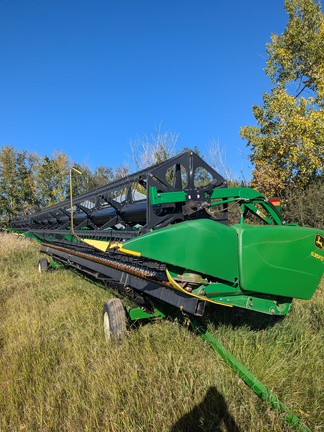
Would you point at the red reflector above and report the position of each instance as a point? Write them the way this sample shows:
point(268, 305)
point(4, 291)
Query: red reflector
point(275, 201)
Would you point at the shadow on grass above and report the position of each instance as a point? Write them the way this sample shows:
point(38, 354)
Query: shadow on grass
point(237, 317)
point(210, 415)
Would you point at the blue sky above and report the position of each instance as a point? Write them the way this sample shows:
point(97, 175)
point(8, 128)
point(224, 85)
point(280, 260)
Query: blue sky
point(87, 77)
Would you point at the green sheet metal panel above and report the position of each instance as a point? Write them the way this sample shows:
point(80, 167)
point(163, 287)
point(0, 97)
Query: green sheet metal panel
point(201, 246)
point(280, 260)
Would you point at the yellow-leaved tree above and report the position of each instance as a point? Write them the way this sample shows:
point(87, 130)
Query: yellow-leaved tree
point(287, 145)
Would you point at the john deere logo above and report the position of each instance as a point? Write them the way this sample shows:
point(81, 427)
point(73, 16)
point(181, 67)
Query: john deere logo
point(319, 241)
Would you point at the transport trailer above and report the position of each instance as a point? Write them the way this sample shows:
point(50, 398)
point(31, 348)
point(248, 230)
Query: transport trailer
point(173, 237)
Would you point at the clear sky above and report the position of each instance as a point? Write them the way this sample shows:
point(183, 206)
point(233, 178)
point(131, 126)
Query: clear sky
point(87, 77)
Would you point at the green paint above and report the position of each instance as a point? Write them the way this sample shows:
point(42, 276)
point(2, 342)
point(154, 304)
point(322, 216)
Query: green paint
point(166, 197)
point(137, 313)
point(201, 245)
point(245, 196)
point(279, 260)
point(251, 262)
point(56, 265)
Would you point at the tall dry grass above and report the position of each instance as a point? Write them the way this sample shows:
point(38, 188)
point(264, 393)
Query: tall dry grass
point(57, 373)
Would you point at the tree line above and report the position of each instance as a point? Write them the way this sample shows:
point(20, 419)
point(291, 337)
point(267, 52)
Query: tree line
point(29, 182)
point(287, 144)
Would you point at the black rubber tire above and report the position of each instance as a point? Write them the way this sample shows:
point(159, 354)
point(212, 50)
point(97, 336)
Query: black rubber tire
point(43, 265)
point(114, 319)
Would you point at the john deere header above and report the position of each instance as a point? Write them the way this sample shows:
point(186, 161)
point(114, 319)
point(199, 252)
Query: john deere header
point(175, 232)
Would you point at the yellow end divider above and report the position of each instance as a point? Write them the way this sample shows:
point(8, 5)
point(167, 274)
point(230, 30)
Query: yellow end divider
point(129, 252)
point(100, 244)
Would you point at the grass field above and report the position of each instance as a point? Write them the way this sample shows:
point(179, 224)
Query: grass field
point(57, 373)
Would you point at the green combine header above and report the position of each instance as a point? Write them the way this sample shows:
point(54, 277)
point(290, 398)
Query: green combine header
point(176, 233)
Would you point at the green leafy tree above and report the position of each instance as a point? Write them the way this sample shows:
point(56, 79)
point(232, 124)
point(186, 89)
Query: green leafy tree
point(287, 146)
point(81, 182)
point(16, 183)
point(88, 180)
point(52, 179)
point(305, 206)
point(102, 175)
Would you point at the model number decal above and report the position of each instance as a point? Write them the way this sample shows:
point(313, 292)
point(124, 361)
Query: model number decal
point(317, 256)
